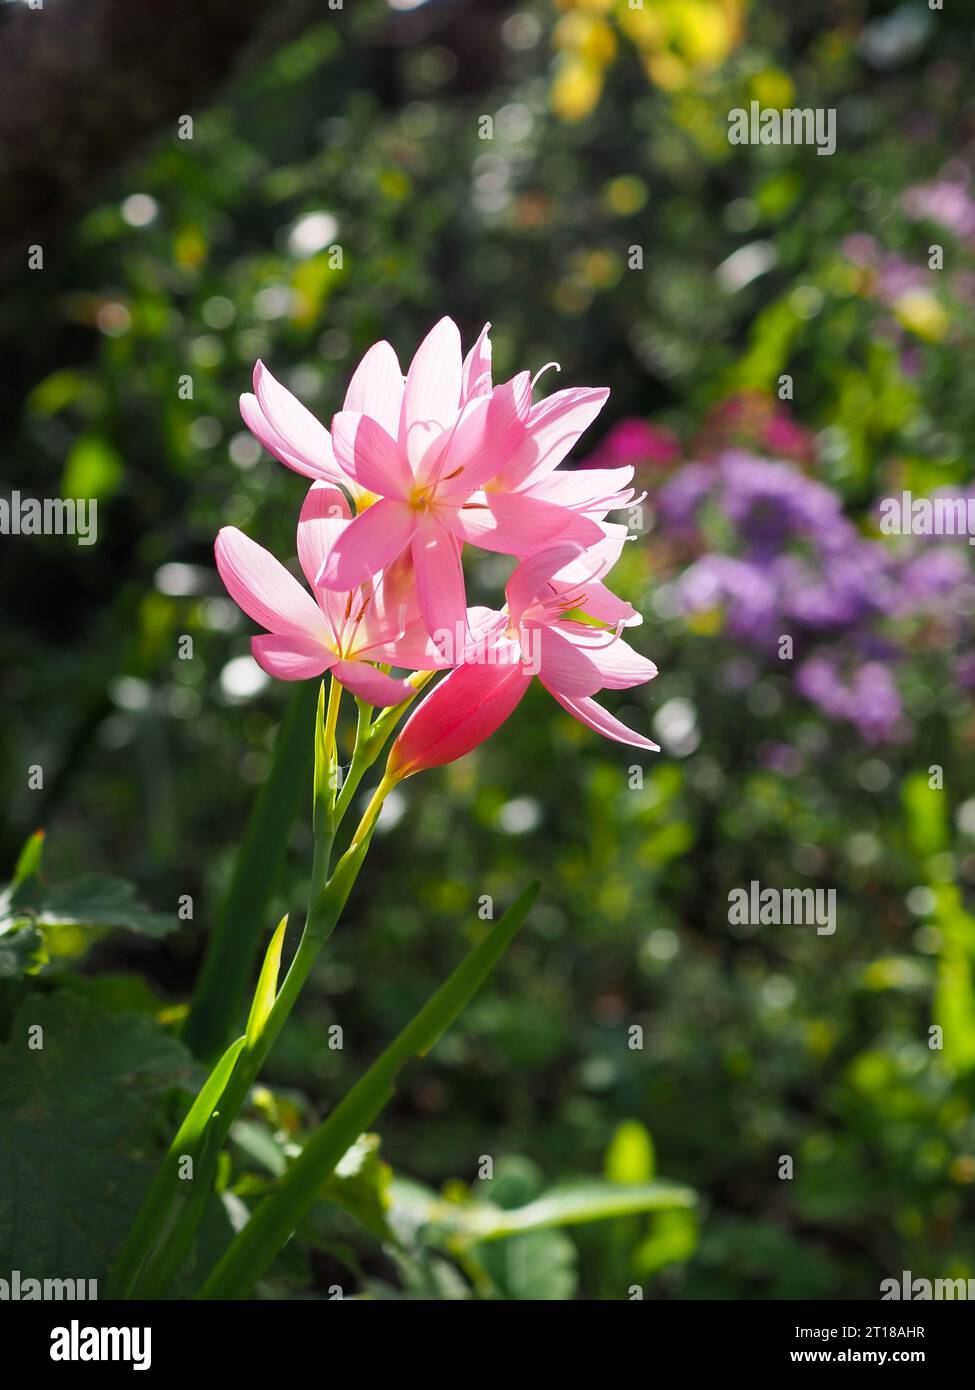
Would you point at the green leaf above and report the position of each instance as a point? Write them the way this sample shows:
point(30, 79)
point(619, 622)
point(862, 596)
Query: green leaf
point(361, 1184)
point(256, 1140)
point(538, 1266)
point(117, 994)
point(630, 1157)
point(267, 986)
point(60, 389)
point(954, 998)
point(22, 950)
point(29, 862)
point(277, 1216)
point(190, 1139)
point(926, 812)
point(672, 1240)
point(94, 468)
point(571, 1204)
point(78, 1117)
point(95, 900)
point(233, 945)
point(579, 615)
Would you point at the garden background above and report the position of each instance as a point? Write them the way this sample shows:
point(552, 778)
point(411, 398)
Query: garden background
point(600, 218)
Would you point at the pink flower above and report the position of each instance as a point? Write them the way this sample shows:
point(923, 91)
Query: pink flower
point(445, 457)
point(417, 449)
point(344, 633)
point(527, 504)
point(288, 430)
point(561, 624)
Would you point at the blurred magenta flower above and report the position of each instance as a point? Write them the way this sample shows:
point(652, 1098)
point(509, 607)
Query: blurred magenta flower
point(758, 420)
point(634, 442)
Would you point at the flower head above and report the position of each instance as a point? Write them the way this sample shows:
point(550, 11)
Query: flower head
point(413, 468)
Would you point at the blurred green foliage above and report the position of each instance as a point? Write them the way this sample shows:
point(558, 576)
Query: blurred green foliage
point(749, 1045)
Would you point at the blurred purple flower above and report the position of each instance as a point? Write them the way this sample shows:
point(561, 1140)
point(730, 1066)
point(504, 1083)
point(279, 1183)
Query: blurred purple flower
point(937, 572)
point(893, 276)
point(772, 503)
point(945, 201)
point(680, 499)
point(868, 699)
point(743, 590)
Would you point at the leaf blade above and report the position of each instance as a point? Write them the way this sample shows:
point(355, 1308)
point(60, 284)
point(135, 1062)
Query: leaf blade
point(279, 1214)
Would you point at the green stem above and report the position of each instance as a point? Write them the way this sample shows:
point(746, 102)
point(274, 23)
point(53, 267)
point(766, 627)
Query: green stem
point(324, 913)
point(371, 739)
point(232, 949)
point(159, 1242)
point(272, 1224)
point(326, 759)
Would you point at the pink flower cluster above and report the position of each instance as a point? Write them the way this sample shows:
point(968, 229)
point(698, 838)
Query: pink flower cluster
point(431, 462)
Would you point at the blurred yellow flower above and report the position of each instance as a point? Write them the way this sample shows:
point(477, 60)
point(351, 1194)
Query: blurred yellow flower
point(667, 71)
point(923, 314)
point(677, 40)
point(577, 88)
point(586, 35)
point(772, 88)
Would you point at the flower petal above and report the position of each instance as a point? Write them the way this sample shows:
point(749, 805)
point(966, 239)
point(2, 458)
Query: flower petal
point(371, 456)
point(476, 375)
point(563, 666)
point(412, 648)
point(533, 577)
point(261, 428)
point(459, 713)
point(585, 489)
point(432, 396)
point(376, 388)
point(291, 658)
point(618, 665)
point(486, 433)
point(439, 577)
point(595, 717)
point(514, 524)
point(606, 607)
point(303, 438)
point(369, 543)
point(553, 427)
point(263, 588)
point(324, 516)
point(371, 684)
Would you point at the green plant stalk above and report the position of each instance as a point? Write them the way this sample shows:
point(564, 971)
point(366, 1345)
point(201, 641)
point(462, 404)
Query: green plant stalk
point(232, 949)
point(160, 1197)
point(371, 739)
point(271, 1226)
point(157, 1245)
point(322, 918)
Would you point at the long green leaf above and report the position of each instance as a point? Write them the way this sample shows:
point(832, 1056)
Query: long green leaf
point(29, 862)
point(267, 986)
point(159, 1199)
point(229, 960)
point(253, 1250)
point(573, 1205)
